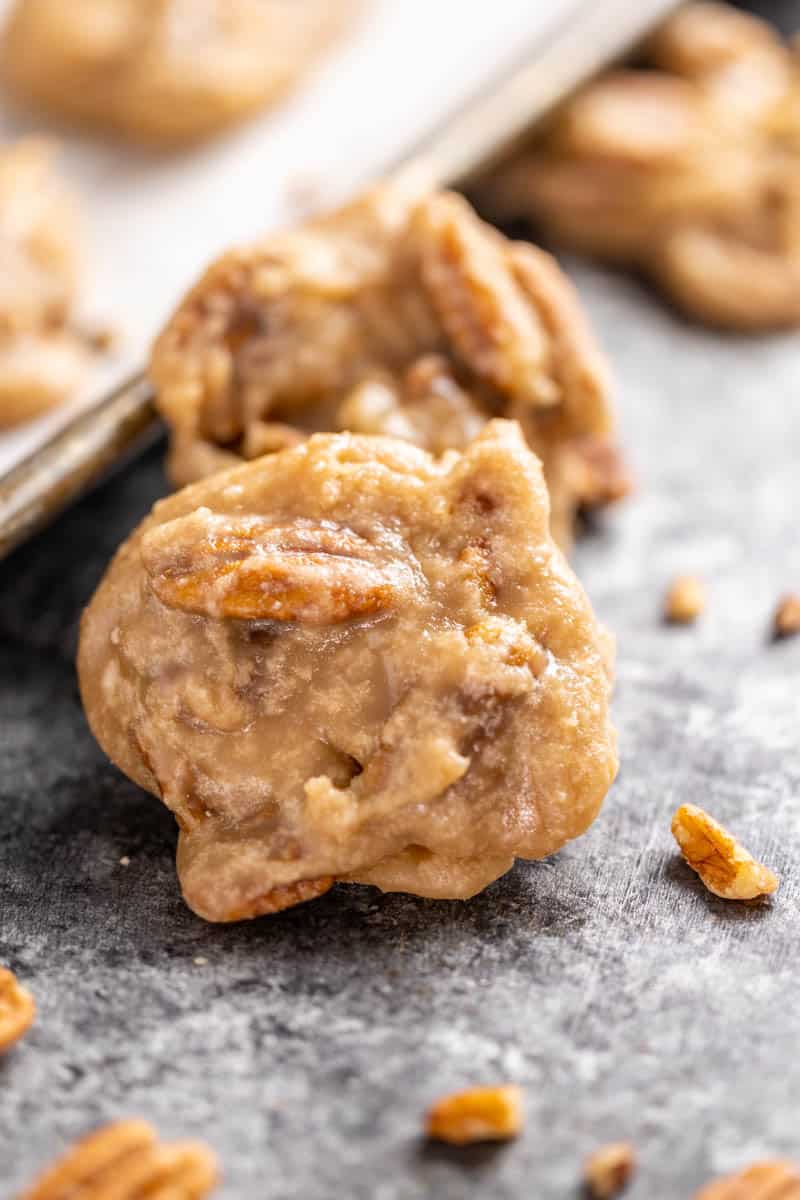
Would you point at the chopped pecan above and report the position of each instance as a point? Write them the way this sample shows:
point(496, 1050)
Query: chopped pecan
point(608, 1170)
point(786, 622)
point(773, 1180)
point(126, 1158)
point(725, 867)
point(477, 1115)
point(685, 600)
point(17, 1009)
point(246, 568)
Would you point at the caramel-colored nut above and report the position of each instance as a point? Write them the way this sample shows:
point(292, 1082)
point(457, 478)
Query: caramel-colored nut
point(487, 316)
point(786, 622)
point(773, 1180)
point(125, 1160)
point(724, 866)
point(685, 600)
point(608, 1170)
point(245, 568)
point(281, 898)
point(17, 1009)
point(483, 1114)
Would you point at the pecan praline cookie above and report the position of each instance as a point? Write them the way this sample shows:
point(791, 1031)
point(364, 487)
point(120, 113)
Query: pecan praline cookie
point(353, 661)
point(400, 314)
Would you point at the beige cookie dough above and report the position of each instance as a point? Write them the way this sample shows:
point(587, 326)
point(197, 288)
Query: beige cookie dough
point(401, 314)
point(163, 70)
point(688, 169)
point(351, 660)
point(42, 359)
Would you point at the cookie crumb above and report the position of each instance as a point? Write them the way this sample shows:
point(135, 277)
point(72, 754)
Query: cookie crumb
point(125, 861)
point(786, 622)
point(685, 600)
point(723, 864)
point(608, 1170)
point(482, 1114)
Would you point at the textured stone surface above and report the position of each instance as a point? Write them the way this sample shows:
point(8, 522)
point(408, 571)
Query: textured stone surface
point(626, 1000)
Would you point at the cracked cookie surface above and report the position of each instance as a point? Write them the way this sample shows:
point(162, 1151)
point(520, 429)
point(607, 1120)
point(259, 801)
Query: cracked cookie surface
point(353, 661)
point(163, 70)
point(401, 314)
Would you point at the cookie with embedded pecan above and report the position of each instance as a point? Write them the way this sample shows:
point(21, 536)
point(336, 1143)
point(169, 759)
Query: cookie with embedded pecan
point(401, 314)
point(163, 70)
point(351, 660)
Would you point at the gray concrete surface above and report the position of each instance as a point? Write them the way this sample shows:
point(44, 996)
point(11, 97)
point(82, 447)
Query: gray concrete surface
point(625, 999)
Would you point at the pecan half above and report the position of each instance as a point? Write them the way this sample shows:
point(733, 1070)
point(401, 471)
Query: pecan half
point(17, 1009)
point(247, 568)
point(725, 867)
point(480, 1114)
point(125, 1159)
point(488, 317)
point(608, 1170)
point(773, 1180)
point(685, 600)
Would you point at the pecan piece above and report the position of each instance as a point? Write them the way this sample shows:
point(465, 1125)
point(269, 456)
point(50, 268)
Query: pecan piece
point(723, 864)
point(482, 1114)
point(17, 1009)
point(786, 622)
point(685, 600)
point(125, 1159)
point(248, 569)
point(608, 1170)
point(773, 1180)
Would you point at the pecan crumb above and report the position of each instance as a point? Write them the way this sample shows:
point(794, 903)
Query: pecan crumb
point(723, 864)
point(17, 1009)
point(477, 1115)
point(685, 600)
point(786, 622)
point(608, 1169)
point(127, 1159)
point(757, 1182)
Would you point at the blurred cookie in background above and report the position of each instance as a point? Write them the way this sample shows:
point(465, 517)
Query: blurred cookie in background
point(43, 357)
point(687, 167)
point(163, 71)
